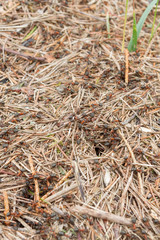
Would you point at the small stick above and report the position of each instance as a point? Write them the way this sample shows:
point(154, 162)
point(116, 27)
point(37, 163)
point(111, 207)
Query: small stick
point(57, 185)
point(9, 160)
point(78, 180)
point(126, 69)
point(153, 111)
point(36, 196)
point(61, 193)
point(128, 146)
point(154, 196)
point(63, 152)
point(57, 210)
point(157, 183)
point(22, 55)
point(123, 198)
point(144, 200)
point(102, 214)
point(25, 225)
point(134, 160)
point(93, 231)
point(111, 56)
point(6, 207)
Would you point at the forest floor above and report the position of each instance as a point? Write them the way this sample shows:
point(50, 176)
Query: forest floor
point(79, 122)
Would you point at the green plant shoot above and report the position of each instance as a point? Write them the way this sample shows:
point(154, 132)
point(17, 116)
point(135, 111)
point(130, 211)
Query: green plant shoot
point(30, 33)
point(124, 30)
point(155, 14)
point(140, 25)
point(134, 32)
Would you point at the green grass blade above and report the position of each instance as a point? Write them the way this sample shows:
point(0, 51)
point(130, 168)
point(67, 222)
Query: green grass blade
point(134, 33)
point(155, 14)
point(30, 33)
point(140, 23)
point(124, 30)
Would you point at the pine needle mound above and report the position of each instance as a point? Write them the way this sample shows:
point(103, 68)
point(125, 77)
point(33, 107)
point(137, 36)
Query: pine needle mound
point(73, 106)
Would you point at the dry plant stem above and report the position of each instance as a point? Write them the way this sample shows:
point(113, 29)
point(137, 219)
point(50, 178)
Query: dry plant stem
point(22, 55)
point(63, 152)
point(12, 188)
point(111, 55)
point(6, 207)
point(25, 225)
point(147, 50)
point(102, 214)
point(126, 69)
point(69, 106)
point(78, 179)
point(36, 196)
point(58, 211)
point(145, 201)
point(143, 121)
point(93, 231)
point(57, 185)
point(61, 193)
point(156, 202)
point(10, 160)
point(125, 192)
point(134, 160)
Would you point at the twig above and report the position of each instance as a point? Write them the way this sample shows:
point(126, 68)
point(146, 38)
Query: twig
point(26, 225)
point(9, 161)
point(102, 214)
point(124, 193)
point(134, 160)
point(6, 206)
point(36, 196)
point(78, 179)
point(57, 185)
point(61, 193)
point(22, 55)
point(126, 69)
point(58, 211)
point(144, 200)
point(156, 202)
point(111, 55)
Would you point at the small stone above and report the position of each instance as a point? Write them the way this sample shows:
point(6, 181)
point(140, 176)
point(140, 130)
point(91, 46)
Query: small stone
point(149, 196)
point(61, 88)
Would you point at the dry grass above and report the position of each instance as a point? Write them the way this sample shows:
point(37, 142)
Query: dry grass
point(71, 105)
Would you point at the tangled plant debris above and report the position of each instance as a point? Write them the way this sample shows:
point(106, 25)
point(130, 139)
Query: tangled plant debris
point(71, 106)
